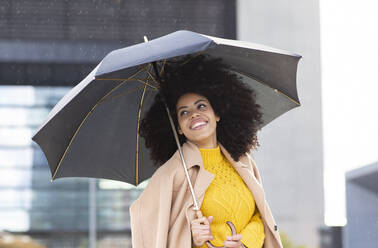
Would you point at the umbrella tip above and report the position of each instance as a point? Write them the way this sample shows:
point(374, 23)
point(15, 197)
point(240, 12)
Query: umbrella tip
point(145, 39)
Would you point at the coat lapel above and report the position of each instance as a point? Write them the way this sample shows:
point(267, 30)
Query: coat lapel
point(248, 172)
point(204, 178)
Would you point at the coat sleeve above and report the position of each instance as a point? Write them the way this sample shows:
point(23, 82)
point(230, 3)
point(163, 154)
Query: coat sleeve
point(149, 214)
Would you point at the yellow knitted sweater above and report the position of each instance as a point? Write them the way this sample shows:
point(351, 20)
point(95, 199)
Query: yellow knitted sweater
point(229, 199)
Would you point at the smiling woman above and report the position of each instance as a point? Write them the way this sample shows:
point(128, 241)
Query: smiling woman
point(217, 118)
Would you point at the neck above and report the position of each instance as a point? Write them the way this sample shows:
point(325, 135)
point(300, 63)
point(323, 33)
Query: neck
point(207, 144)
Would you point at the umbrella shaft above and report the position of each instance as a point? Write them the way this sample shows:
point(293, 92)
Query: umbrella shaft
point(181, 156)
point(177, 139)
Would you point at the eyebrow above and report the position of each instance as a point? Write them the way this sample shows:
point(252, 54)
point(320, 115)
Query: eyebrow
point(194, 104)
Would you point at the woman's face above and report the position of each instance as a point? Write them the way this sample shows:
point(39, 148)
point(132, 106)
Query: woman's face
point(197, 120)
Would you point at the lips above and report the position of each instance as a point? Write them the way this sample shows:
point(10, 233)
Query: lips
point(197, 124)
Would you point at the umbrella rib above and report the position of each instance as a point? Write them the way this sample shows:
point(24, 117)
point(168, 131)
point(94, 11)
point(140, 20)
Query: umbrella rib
point(144, 68)
point(162, 67)
point(146, 84)
point(124, 93)
point(137, 133)
point(165, 61)
point(85, 118)
point(137, 137)
point(149, 73)
point(150, 76)
point(136, 79)
point(275, 90)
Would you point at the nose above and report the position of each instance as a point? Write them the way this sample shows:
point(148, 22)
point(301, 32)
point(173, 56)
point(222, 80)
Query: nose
point(194, 114)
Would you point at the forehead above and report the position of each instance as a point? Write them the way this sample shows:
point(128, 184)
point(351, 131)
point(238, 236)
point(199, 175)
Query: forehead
point(189, 99)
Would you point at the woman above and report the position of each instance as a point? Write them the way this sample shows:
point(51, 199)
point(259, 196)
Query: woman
point(217, 119)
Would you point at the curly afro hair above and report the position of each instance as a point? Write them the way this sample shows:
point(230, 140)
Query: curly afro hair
point(232, 100)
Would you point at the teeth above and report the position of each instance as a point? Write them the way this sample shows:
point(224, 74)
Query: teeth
point(198, 124)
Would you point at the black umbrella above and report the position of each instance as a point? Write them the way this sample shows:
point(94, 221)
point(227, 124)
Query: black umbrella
point(93, 131)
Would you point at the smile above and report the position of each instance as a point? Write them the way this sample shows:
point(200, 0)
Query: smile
point(198, 125)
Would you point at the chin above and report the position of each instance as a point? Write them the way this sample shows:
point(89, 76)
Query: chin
point(200, 138)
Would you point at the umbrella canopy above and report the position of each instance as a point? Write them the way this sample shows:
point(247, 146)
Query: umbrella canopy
point(93, 131)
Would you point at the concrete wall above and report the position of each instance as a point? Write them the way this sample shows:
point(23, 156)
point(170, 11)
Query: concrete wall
point(291, 157)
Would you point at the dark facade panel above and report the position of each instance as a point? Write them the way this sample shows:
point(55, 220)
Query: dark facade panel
point(58, 42)
point(42, 74)
point(107, 20)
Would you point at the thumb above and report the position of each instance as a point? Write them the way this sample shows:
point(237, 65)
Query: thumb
point(210, 219)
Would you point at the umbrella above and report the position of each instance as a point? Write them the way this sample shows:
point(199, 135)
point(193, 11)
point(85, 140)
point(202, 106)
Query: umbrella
point(93, 131)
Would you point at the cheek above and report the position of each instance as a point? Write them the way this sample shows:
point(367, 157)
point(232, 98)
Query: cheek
point(180, 122)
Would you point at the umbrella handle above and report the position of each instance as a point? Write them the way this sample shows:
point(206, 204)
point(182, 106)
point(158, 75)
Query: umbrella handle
point(229, 223)
point(233, 231)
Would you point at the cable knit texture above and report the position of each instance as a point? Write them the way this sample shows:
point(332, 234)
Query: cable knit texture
point(229, 199)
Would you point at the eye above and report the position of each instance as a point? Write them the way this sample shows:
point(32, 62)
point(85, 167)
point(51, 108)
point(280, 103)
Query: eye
point(201, 106)
point(184, 112)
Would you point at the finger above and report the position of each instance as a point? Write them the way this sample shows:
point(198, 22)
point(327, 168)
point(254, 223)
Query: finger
point(201, 231)
point(232, 244)
point(201, 239)
point(206, 238)
point(201, 227)
point(235, 237)
point(210, 219)
point(199, 220)
point(203, 220)
point(206, 221)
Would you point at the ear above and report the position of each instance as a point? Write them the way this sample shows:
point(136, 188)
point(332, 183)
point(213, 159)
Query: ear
point(179, 131)
point(217, 118)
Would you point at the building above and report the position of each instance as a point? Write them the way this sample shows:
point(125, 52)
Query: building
point(362, 203)
point(46, 47)
point(291, 153)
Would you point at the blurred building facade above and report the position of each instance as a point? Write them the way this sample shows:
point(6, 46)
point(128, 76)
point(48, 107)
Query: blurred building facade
point(331, 236)
point(362, 207)
point(46, 47)
point(54, 213)
point(291, 153)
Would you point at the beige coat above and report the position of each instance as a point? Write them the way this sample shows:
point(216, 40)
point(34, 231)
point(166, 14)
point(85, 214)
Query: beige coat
point(161, 216)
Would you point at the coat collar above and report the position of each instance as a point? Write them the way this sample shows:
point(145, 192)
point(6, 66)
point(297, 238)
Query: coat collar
point(192, 155)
